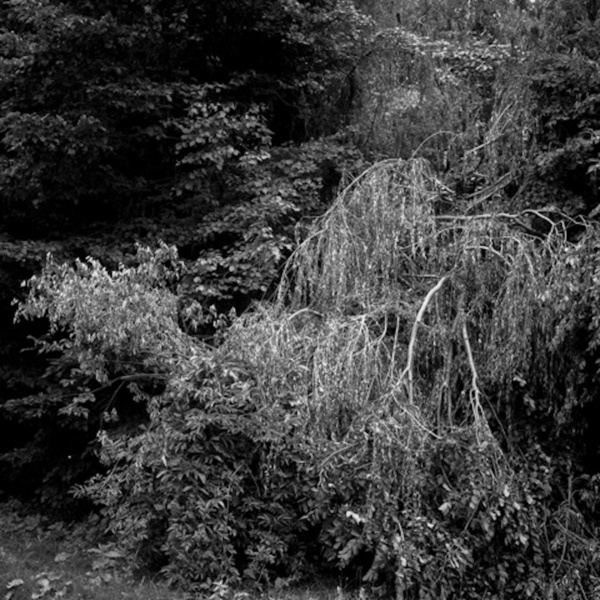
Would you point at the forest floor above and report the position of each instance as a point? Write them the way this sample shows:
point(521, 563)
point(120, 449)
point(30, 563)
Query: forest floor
point(48, 560)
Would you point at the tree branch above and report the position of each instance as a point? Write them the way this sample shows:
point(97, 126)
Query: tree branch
point(408, 371)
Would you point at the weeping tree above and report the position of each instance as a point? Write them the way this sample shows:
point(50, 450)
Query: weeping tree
point(393, 413)
point(480, 346)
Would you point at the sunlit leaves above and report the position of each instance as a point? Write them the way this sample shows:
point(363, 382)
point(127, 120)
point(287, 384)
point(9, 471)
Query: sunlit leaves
point(124, 321)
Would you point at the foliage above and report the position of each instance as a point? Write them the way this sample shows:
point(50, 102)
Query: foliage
point(147, 122)
point(109, 111)
point(458, 19)
point(213, 136)
point(236, 252)
point(138, 123)
point(560, 85)
point(48, 559)
point(199, 490)
point(85, 383)
point(452, 102)
point(189, 416)
point(94, 305)
point(370, 417)
point(228, 257)
point(416, 406)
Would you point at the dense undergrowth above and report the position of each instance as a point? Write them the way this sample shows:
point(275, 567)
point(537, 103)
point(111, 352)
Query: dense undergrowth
point(373, 419)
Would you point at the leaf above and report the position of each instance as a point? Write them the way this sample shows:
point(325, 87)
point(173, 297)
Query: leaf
point(50, 576)
point(445, 508)
point(44, 588)
point(14, 583)
point(100, 564)
point(61, 557)
point(113, 554)
point(96, 581)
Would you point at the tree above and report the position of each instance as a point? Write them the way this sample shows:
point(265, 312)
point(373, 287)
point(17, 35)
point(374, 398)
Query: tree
point(99, 103)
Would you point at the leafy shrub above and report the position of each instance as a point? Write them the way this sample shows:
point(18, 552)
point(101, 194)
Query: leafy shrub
point(199, 489)
point(368, 419)
point(86, 384)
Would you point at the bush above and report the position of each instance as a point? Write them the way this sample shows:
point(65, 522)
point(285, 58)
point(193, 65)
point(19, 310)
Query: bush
point(388, 415)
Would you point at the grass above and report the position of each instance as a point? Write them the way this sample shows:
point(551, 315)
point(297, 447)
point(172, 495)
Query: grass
point(45, 560)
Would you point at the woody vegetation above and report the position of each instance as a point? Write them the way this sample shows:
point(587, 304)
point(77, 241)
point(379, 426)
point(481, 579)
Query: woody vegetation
point(411, 404)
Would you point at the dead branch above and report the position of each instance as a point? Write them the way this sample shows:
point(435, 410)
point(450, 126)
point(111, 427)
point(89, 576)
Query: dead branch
point(475, 392)
point(408, 371)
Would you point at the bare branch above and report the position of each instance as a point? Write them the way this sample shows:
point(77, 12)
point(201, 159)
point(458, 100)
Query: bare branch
point(408, 371)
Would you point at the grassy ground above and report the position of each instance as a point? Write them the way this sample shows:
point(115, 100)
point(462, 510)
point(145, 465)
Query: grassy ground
point(40, 560)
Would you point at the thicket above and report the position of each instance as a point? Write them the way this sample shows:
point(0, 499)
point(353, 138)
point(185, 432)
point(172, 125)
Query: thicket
point(414, 406)
point(391, 414)
point(204, 126)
